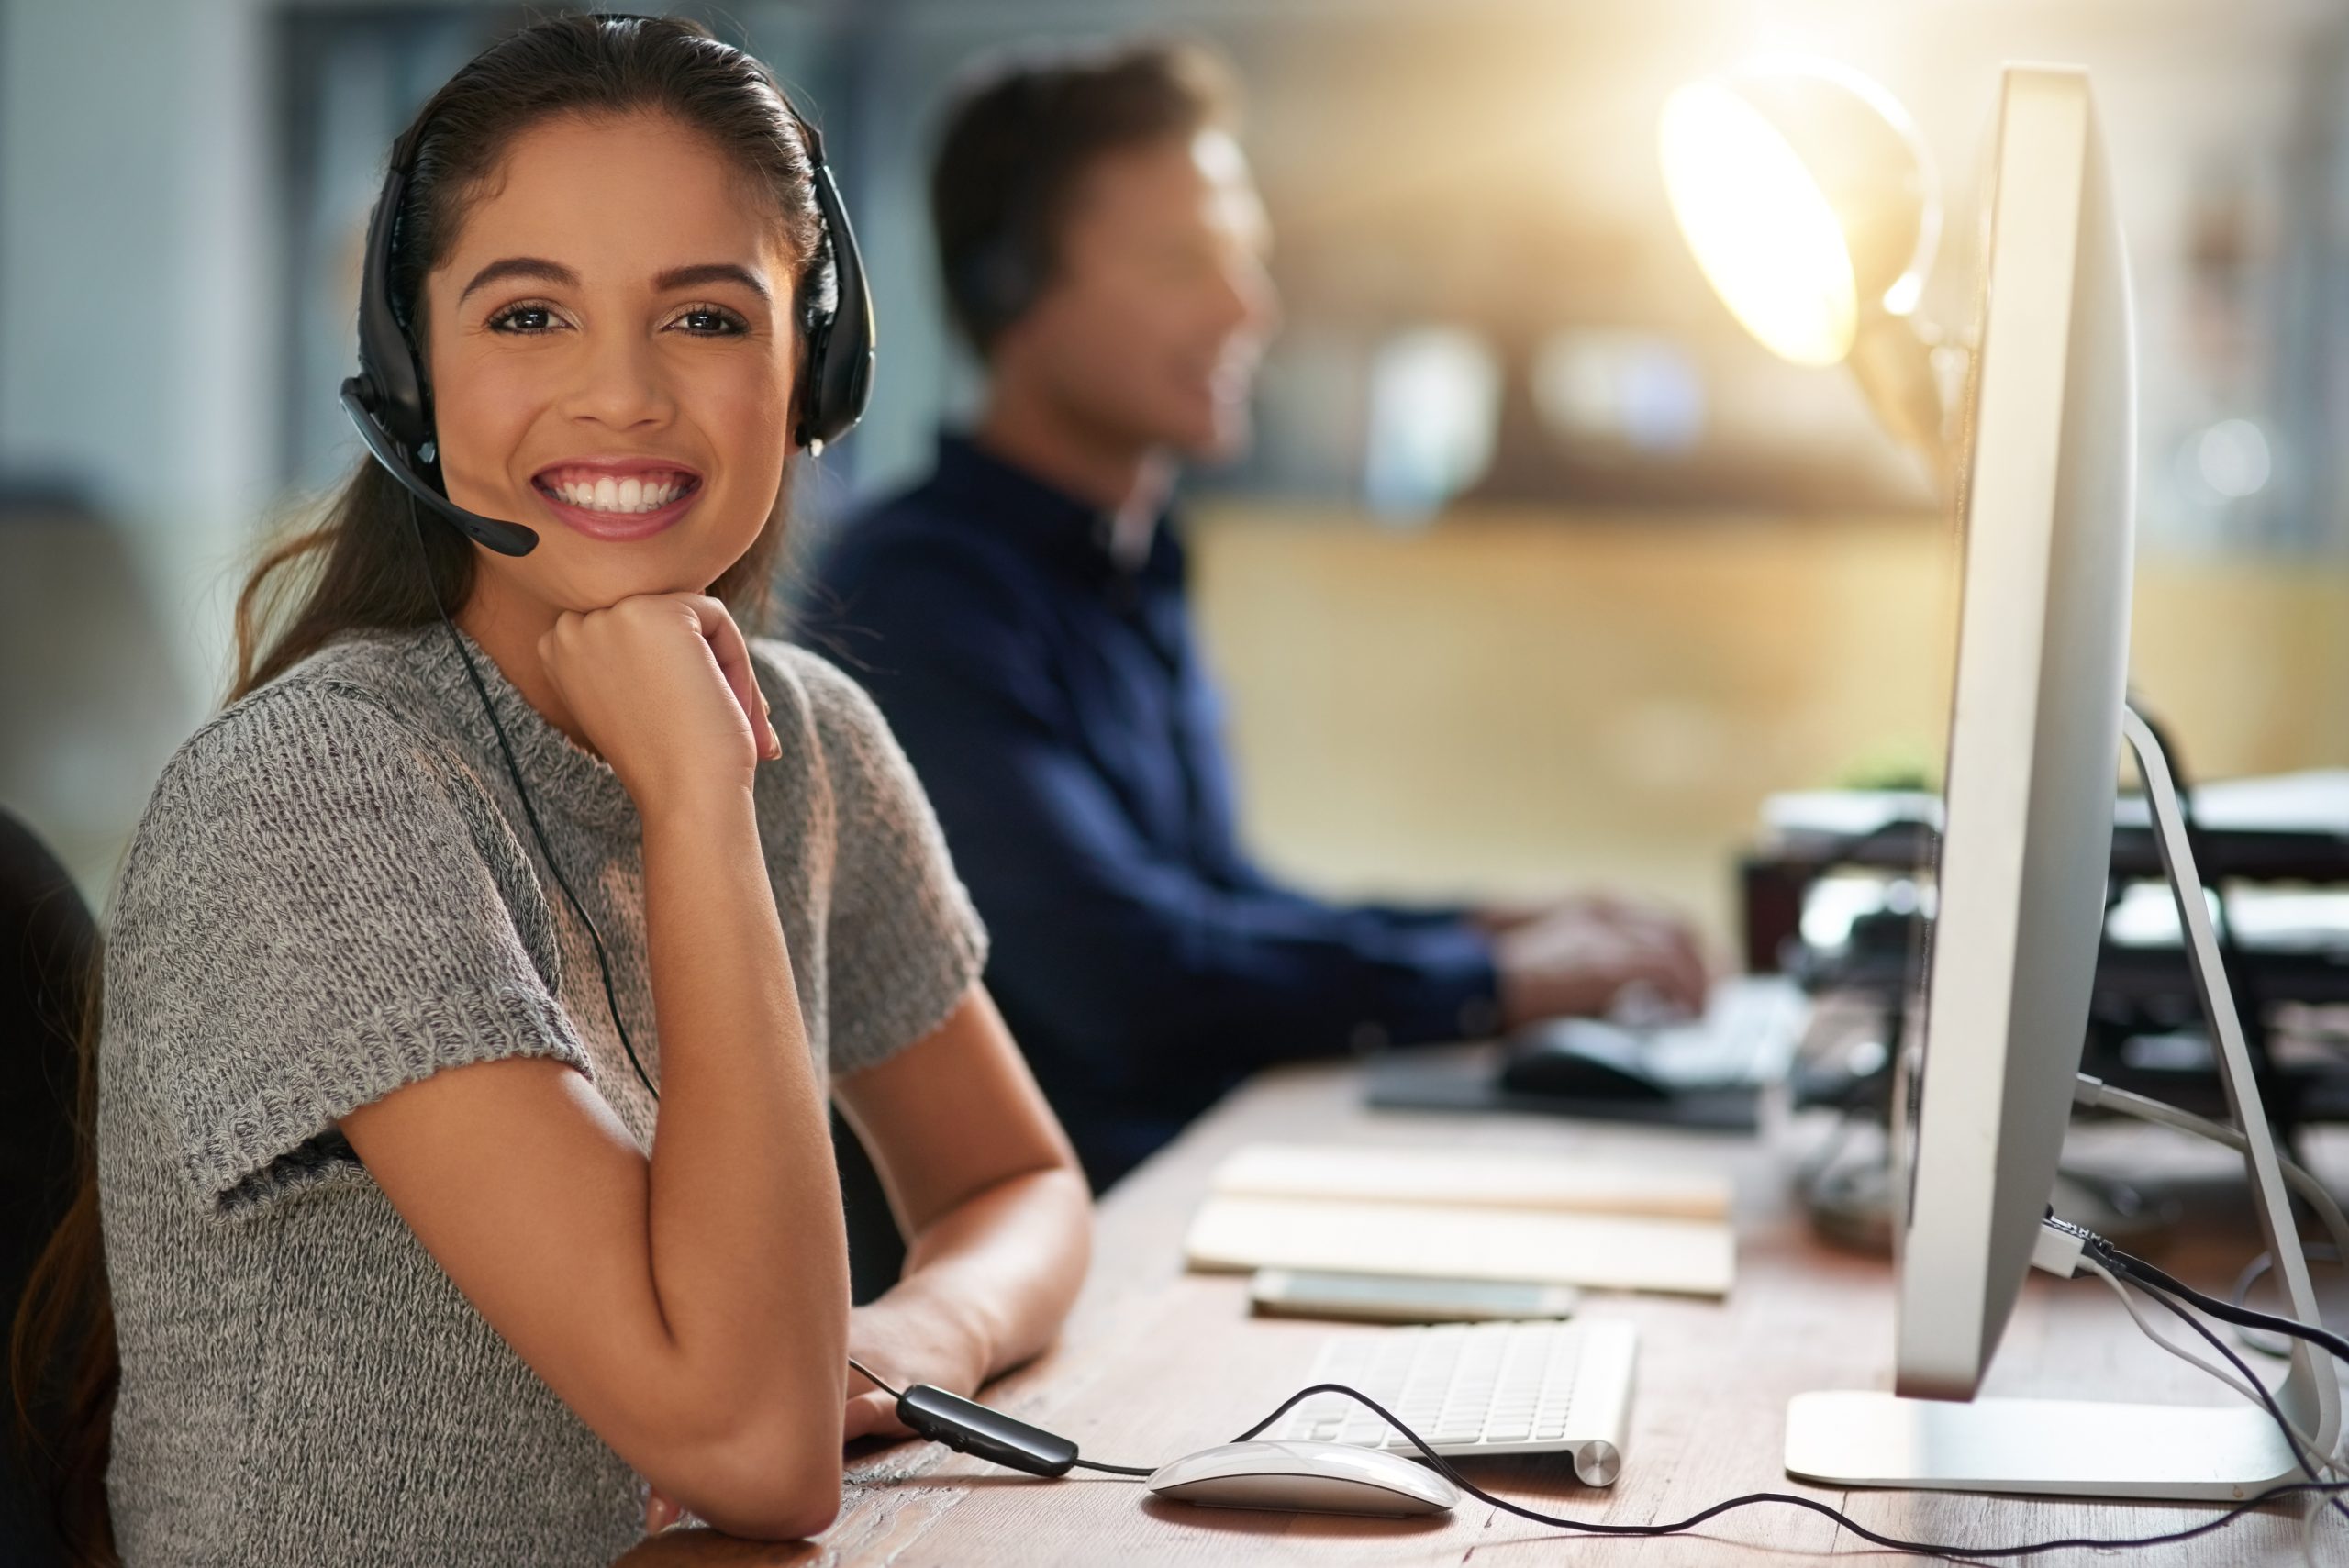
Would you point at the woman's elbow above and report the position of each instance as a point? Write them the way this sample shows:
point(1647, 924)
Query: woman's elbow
point(790, 1517)
point(1067, 1179)
point(766, 1468)
point(774, 1488)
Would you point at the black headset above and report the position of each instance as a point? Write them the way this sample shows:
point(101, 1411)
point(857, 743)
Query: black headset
point(390, 403)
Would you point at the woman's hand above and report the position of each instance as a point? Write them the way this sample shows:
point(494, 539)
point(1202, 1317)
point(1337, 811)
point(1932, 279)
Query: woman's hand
point(662, 686)
point(661, 1512)
point(907, 1340)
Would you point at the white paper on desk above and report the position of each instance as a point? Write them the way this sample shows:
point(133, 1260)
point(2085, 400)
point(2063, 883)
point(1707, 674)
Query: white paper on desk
point(1461, 1178)
point(1690, 1257)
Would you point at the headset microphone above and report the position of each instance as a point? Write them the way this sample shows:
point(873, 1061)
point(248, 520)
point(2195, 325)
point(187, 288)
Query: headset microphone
point(387, 399)
point(491, 533)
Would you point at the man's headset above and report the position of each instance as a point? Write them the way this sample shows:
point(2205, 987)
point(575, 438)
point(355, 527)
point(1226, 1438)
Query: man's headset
point(390, 401)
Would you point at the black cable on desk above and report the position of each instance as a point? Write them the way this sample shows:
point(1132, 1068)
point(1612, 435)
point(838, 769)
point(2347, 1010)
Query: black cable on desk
point(953, 1423)
point(2160, 1285)
point(2267, 1399)
point(1787, 1499)
point(2225, 1311)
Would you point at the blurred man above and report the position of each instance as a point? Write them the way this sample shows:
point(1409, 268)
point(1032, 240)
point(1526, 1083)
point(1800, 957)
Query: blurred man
point(1021, 617)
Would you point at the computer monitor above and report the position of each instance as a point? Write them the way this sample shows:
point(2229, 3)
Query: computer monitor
point(2035, 730)
point(2034, 738)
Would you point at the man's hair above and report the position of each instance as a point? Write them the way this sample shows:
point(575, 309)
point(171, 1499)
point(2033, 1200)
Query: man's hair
point(1019, 134)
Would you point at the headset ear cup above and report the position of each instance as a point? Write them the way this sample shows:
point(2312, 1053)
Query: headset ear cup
point(391, 381)
point(814, 334)
point(1000, 284)
point(840, 341)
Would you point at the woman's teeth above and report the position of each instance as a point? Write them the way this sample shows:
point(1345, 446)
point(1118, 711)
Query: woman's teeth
point(633, 493)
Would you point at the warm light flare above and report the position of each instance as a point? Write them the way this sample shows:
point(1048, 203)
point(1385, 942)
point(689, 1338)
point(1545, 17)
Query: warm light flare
point(1761, 228)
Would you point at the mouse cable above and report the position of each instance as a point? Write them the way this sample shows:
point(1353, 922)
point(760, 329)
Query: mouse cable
point(967, 1426)
point(2146, 1276)
point(1787, 1499)
point(531, 812)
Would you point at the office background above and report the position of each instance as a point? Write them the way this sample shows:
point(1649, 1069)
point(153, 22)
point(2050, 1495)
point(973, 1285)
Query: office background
point(1541, 569)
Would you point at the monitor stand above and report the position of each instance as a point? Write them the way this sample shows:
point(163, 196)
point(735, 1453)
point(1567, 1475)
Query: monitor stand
point(2063, 1447)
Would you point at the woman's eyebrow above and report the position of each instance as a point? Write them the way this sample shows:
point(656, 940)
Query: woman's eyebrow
point(521, 267)
point(563, 277)
point(712, 272)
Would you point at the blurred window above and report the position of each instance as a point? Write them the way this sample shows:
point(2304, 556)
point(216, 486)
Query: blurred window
point(1634, 391)
point(1435, 397)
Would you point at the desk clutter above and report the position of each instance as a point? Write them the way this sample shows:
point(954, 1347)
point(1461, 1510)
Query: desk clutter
point(1836, 894)
point(1466, 1215)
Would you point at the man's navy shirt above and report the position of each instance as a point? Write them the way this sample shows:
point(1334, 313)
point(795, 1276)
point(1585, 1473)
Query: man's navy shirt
point(1054, 705)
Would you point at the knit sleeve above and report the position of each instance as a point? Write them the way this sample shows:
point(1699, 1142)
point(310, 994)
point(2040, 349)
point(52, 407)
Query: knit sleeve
point(903, 943)
point(310, 920)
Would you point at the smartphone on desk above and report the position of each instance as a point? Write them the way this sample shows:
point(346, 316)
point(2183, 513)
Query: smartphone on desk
point(1401, 1298)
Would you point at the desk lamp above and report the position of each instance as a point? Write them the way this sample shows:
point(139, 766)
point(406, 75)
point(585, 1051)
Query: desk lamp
point(1812, 208)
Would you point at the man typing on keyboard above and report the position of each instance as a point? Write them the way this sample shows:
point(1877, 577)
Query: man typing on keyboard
point(1021, 617)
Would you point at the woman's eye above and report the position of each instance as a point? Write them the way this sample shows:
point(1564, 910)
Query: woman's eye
point(522, 319)
point(697, 320)
point(711, 321)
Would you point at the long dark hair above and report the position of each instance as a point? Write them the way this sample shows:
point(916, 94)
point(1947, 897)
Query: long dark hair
point(358, 569)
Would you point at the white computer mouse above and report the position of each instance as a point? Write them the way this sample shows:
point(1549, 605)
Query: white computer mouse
point(1320, 1478)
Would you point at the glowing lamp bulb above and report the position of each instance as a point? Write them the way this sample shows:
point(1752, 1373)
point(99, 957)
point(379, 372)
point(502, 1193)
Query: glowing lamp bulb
point(1766, 235)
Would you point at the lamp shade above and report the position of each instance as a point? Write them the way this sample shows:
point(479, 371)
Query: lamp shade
point(1807, 196)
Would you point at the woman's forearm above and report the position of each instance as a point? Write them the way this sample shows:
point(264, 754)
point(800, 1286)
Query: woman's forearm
point(748, 1253)
point(1004, 1265)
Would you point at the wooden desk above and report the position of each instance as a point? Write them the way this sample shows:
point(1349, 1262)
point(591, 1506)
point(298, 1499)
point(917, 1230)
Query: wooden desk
point(1156, 1362)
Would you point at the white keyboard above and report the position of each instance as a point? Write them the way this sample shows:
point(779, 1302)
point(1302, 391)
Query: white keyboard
point(1751, 1027)
point(1476, 1388)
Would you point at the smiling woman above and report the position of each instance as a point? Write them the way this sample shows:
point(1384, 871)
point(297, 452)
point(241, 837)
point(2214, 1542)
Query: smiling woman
point(475, 990)
point(576, 345)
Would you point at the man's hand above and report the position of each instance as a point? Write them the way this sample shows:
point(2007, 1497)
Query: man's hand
point(1582, 955)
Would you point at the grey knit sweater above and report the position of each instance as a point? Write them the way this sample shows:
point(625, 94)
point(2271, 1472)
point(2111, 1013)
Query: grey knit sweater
point(333, 892)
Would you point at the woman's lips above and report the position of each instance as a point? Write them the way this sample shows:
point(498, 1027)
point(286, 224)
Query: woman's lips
point(618, 525)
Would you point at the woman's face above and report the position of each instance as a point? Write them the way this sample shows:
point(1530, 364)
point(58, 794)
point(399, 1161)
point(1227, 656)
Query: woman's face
point(611, 349)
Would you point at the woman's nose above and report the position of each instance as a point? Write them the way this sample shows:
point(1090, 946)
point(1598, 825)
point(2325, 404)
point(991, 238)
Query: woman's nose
point(620, 383)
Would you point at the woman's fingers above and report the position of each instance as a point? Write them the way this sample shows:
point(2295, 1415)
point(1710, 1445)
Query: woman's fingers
point(870, 1414)
point(732, 651)
point(659, 1513)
